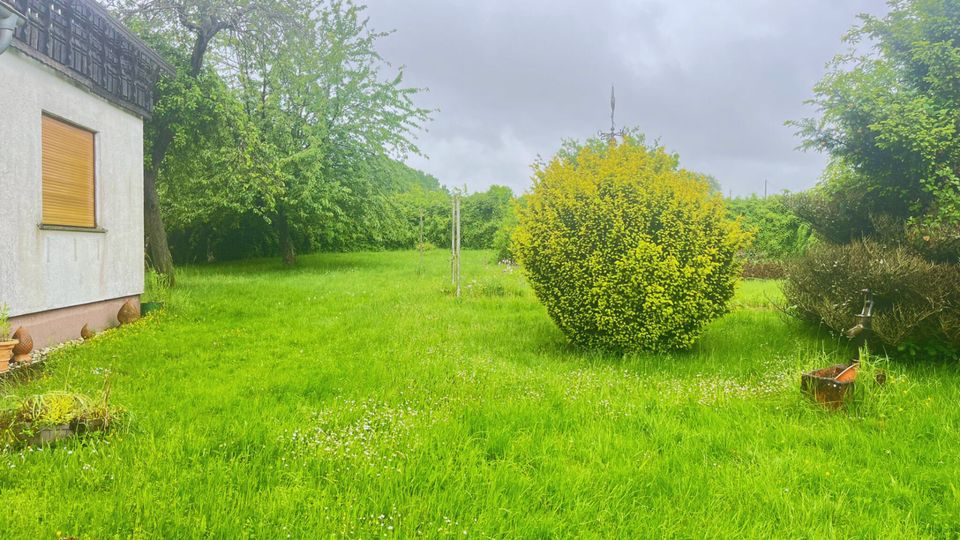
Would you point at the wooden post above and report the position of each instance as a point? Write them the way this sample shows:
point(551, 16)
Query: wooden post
point(455, 243)
point(453, 240)
point(458, 245)
point(420, 243)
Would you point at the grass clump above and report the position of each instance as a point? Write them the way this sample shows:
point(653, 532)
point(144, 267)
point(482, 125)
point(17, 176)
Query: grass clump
point(157, 288)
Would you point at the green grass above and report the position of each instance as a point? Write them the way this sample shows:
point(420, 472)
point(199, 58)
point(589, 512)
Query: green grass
point(352, 396)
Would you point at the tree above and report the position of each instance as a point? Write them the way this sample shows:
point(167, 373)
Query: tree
point(330, 119)
point(778, 233)
point(482, 214)
point(197, 24)
point(889, 120)
point(282, 133)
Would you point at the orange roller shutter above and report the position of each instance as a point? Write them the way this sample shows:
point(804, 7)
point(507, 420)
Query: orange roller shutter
point(68, 175)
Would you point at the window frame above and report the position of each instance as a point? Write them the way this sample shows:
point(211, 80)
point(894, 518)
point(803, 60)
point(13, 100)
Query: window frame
point(95, 141)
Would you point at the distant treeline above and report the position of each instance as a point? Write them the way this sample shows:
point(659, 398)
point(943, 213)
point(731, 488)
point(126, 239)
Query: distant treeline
point(284, 131)
point(406, 195)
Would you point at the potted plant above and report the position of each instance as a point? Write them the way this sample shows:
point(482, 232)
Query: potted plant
point(155, 296)
point(6, 342)
point(47, 417)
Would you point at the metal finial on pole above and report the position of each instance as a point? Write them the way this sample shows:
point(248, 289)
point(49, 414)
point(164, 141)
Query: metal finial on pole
point(612, 135)
point(613, 109)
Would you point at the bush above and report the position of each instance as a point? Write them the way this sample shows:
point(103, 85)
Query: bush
point(763, 269)
point(626, 250)
point(916, 302)
point(938, 242)
point(503, 238)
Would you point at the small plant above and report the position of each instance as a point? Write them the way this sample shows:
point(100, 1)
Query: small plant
point(23, 420)
point(158, 287)
point(53, 409)
point(487, 287)
point(4, 322)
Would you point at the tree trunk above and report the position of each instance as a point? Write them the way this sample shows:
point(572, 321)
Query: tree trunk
point(287, 250)
point(155, 235)
point(200, 46)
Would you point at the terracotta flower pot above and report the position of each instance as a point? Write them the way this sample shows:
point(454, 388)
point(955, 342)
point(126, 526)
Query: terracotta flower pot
point(6, 353)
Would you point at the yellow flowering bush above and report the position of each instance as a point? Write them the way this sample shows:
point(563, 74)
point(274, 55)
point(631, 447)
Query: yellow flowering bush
point(625, 249)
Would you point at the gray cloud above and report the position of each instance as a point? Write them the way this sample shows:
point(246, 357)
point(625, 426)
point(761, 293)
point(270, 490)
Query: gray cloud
point(714, 80)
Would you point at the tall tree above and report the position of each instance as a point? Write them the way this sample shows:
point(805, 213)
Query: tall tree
point(329, 117)
point(280, 117)
point(889, 120)
point(194, 24)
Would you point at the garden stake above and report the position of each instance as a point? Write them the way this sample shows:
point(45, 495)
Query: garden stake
point(455, 243)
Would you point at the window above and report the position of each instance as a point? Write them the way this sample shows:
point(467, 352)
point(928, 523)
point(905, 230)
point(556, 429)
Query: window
point(68, 175)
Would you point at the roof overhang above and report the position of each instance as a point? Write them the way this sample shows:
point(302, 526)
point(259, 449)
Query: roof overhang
point(83, 42)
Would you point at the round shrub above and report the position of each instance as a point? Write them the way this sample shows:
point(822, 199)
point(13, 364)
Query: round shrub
point(626, 250)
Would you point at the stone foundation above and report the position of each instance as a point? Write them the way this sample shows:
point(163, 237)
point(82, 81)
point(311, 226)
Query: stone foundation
point(64, 324)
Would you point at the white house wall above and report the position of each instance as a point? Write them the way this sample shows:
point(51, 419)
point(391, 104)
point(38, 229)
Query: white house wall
point(42, 270)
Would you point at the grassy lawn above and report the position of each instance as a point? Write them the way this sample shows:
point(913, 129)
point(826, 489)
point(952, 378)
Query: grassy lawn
point(352, 396)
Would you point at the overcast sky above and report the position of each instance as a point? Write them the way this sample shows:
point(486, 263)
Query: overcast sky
point(715, 80)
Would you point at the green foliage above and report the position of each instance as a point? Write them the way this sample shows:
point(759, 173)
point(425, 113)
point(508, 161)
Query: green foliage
point(481, 215)
point(22, 418)
point(625, 249)
point(503, 238)
point(287, 137)
point(4, 322)
point(157, 287)
point(216, 168)
point(434, 206)
point(291, 137)
point(889, 120)
point(777, 232)
point(917, 302)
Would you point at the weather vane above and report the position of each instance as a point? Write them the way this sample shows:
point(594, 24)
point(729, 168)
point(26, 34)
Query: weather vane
point(613, 133)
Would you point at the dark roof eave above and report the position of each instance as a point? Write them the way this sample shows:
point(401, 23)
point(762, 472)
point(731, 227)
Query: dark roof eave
point(122, 28)
point(81, 81)
point(10, 7)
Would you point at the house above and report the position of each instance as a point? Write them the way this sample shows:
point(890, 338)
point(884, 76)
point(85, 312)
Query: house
point(75, 87)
